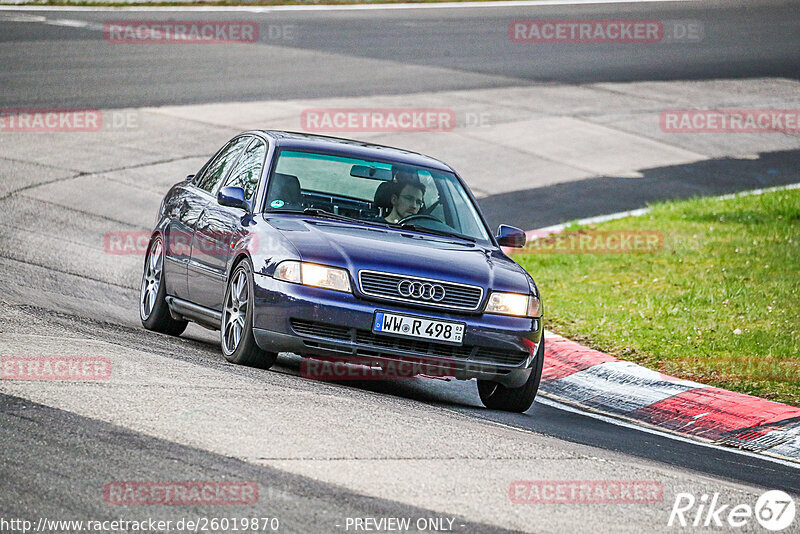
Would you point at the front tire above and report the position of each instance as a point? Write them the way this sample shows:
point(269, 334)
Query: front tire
point(498, 397)
point(236, 332)
point(153, 307)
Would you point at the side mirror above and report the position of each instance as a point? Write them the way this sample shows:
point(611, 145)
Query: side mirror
point(508, 236)
point(190, 177)
point(233, 197)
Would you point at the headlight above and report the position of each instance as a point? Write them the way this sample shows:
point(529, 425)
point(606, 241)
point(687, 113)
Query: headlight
point(513, 304)
point(312, 274)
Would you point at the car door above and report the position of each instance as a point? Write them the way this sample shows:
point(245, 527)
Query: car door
point(221, 227)
point(205, 186)
point(183, 211)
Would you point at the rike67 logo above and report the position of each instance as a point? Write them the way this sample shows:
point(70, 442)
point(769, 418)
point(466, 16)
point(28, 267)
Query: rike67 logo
point(774, 510)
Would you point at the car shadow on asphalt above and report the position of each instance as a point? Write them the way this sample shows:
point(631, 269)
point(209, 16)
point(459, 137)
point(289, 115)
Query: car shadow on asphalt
point(430, 390)
point(554, 204)
point(462, 397)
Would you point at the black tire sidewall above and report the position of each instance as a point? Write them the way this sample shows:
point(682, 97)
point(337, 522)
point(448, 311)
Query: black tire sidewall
point(514, 399)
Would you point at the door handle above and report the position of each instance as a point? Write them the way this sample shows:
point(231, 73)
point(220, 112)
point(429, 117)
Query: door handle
point(202, 223)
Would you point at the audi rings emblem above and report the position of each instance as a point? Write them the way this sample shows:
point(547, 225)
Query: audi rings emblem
point(420, 290)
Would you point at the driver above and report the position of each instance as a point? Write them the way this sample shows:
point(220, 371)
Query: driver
point(408, 197)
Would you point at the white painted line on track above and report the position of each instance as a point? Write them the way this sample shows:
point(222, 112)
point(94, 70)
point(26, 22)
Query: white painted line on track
point(68, 23)
point(336, 7)
point(552, 403)
point(591, 220)
point(759, 191)
point(540, 232)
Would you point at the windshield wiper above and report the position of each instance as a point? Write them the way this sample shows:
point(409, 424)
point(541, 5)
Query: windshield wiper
point(328, 214)
point(425, 229)
point(317, 213)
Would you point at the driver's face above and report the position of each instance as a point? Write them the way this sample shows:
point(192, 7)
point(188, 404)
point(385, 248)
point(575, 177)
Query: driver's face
point(408, 202)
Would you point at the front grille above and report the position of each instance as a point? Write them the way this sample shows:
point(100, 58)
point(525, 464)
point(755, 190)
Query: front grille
point(359, 340)
point(311, 328)
point(508, 357)
point(417, 346)
point(384, 285)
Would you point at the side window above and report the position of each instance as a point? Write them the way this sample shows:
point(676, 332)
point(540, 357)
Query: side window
point(215, 170)
point(431, 193)
point(443, 210)
point(248, 169)
point(462, 224)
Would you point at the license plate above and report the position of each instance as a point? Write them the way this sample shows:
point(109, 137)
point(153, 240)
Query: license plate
point(418, 327)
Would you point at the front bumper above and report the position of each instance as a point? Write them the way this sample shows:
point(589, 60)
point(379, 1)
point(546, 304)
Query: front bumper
point(329, 324)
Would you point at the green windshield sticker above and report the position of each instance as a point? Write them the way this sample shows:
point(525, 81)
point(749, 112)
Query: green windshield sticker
point(276, 203)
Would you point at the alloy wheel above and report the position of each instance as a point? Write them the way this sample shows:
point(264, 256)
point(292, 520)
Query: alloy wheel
point(151, 280)
point(235, 312)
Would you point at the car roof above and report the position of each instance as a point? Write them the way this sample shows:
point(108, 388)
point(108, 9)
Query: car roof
point(351, 148)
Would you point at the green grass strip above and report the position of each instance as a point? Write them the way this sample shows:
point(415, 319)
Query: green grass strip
point(717, 301)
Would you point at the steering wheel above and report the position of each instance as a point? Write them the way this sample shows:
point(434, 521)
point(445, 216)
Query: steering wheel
point(417, 217)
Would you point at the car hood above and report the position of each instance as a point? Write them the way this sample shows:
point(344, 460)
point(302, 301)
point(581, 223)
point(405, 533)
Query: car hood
point(364, 247)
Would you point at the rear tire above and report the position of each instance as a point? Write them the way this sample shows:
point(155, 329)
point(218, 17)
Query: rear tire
point(498, 397)
point(153, 307)
point(236, 332)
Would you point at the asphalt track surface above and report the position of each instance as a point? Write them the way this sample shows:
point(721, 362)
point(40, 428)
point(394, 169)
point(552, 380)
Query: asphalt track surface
point(341, 53)
point(54, 460)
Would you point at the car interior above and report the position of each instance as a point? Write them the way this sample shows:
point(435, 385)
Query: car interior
point(364, 191)
point(285, 192)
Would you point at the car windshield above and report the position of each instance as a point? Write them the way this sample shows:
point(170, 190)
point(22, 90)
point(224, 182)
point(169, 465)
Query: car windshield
point(327, 185)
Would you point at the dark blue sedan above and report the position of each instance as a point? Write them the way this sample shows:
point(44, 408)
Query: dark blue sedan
point(345, 251)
